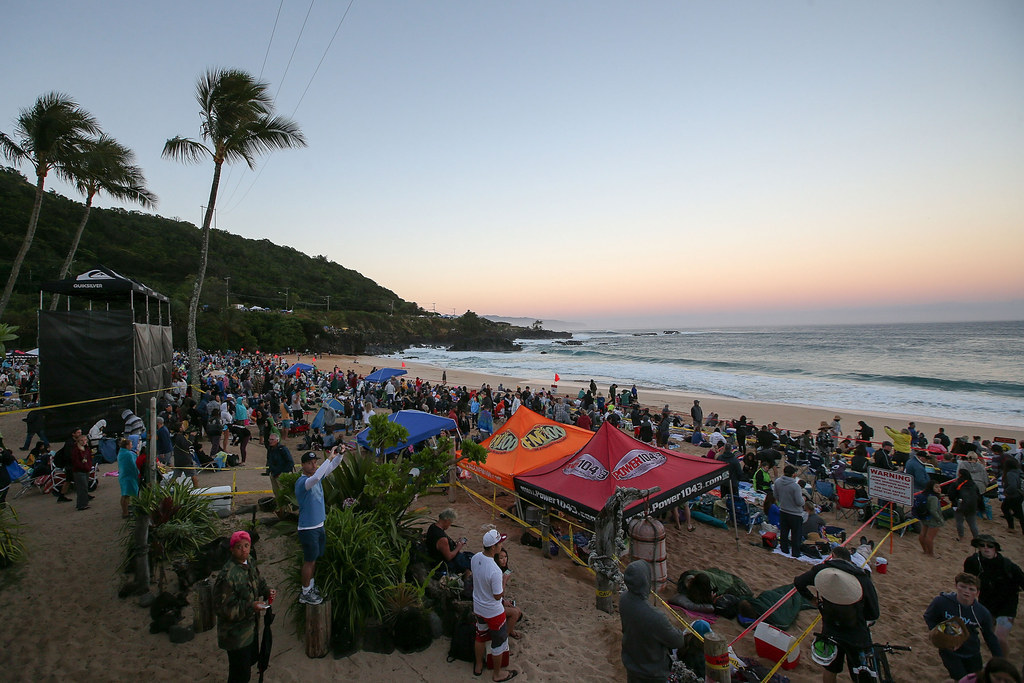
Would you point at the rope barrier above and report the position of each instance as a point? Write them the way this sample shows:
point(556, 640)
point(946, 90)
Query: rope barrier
point(90, 400)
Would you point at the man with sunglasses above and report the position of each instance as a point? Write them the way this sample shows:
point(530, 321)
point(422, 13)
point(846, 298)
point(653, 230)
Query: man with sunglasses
point(1001, 581)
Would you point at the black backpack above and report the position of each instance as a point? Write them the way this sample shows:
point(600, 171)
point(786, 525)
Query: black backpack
point(920, 509)
point(462, 647)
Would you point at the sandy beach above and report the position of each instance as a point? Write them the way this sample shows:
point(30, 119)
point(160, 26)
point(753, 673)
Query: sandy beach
point(62, 616)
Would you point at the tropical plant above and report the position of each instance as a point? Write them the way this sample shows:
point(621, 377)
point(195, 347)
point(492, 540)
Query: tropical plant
point(238, 122)
point(359, 566)
point(180, 524)
point(103, 165)
point(6, 335)
point(12, 547)
point(48, 136)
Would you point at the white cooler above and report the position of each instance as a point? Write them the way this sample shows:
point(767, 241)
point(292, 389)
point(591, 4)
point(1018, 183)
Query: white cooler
point(220, 504)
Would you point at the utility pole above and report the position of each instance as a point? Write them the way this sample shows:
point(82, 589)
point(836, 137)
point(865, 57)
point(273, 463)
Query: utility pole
point(392, 307)
point(328, 302)
point(227, 291)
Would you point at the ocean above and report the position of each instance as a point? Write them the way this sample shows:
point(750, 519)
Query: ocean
point(953, 371)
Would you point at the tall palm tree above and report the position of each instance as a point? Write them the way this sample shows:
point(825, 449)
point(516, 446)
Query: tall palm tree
point(48, 136)
point(104, 165)
point(238, 122)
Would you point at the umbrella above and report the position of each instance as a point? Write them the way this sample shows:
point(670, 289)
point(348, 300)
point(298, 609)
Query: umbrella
point(267, 642)
point(384, 374)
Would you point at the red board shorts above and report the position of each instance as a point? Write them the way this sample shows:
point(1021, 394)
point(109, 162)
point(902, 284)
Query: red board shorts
point(494, 629)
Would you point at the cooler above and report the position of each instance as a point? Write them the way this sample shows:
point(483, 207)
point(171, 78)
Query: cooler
point(221, 503)
point(772, 643)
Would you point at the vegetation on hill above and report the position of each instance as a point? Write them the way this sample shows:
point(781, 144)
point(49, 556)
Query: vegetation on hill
point(163, 253)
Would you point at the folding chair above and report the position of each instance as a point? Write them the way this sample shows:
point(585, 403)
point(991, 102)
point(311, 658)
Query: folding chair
point(825, 491)
point(738, 509)
point(848, 504)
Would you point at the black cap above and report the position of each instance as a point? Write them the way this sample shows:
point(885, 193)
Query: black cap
point(311, 455)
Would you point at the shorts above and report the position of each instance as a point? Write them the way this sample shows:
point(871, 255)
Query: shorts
point(848, 656)
point(1004, 622)
point(313, 542)
point(494, 629)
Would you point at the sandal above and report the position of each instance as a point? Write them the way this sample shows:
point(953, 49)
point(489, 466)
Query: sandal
point(478, 673)
point(511, 675)
point(691, 528)
point(515, 634)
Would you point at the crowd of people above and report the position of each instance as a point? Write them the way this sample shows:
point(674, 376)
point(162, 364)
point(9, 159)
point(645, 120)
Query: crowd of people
point(251, 396)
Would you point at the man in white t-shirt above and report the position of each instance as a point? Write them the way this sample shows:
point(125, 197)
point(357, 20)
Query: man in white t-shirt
point(489, 610)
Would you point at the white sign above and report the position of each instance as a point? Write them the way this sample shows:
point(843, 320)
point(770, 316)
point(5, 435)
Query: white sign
point(896, 487)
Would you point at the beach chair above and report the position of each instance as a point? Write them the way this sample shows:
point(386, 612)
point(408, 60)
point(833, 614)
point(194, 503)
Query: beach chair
point(824, 492)
point(738, 510)
point(848, 505)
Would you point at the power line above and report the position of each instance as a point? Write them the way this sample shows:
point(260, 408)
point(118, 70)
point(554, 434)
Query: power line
point(294, 48)
point(271, 42)
point(323, 56)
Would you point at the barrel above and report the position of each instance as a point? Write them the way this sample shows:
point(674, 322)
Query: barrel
point(647, 543)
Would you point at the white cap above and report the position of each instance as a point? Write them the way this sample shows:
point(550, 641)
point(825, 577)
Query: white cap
point(493, 537)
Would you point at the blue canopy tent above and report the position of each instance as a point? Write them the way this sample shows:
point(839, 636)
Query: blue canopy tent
point(318, 421)
point(421, 426)
point(301, 367)
point(384, 374)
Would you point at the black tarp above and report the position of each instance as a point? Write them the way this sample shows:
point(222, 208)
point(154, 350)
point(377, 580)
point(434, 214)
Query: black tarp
point(98, 354)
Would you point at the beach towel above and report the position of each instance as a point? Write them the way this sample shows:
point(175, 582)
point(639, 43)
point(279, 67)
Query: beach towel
point(710, 618)
point(802, 558)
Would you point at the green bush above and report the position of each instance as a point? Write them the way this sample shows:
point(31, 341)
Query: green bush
point(180, 524)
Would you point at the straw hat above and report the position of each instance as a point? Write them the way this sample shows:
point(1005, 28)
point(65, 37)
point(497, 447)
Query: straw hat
point(838, 587)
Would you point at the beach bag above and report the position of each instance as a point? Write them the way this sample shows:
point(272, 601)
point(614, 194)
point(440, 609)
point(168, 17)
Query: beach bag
point(462, 646)
point(951, 634)
point(920, 508)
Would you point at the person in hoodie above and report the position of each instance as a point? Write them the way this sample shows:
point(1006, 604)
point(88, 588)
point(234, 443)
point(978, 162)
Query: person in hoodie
point(1001, 581)
point(647, 635)
point(963, 603)
point(790, 498)
point(847, 600)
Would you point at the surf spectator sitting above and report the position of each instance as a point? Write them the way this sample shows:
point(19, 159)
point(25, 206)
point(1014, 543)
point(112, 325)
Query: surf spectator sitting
point(750, 465)
point(716, 437)
point(512, 612)
point(814, 524)
point(763, 478)
point(442, 549)
point(884, 457)
point(771, 509)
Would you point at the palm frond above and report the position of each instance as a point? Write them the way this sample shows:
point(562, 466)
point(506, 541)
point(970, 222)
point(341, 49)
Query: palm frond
point(10, 149)
point(185, 150)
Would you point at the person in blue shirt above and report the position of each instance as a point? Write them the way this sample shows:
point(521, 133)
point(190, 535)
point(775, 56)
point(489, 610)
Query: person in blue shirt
point(309, 492)
point(915, 468)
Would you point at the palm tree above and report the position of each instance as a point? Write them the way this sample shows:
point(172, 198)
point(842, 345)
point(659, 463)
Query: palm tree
point(48, 136)
point(238, 123)
point(104, 165)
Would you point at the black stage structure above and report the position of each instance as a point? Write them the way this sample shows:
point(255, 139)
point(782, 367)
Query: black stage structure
point(112, 341)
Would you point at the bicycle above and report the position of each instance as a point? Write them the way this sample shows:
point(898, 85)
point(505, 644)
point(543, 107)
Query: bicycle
point(874, 662)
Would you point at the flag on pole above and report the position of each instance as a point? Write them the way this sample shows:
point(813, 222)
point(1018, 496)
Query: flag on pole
point(557, 377)
point(403, 363)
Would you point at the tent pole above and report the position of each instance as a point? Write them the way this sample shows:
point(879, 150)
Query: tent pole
point(735, 517)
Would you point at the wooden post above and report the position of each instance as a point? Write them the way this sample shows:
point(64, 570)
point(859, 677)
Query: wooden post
point(204, 617)
point(318, 629)
point(452, 476)
point(716, 659)
point(545, 533)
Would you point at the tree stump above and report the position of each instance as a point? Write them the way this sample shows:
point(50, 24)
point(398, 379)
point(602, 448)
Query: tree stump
point(318, 629)
point(716, 659)
point(204, 616)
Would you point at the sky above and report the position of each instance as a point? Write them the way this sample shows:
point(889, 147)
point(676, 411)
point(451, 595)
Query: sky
point(641, 163)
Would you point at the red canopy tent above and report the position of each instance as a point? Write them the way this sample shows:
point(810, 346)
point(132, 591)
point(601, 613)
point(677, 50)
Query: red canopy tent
point(525, 441)
point(580, 484)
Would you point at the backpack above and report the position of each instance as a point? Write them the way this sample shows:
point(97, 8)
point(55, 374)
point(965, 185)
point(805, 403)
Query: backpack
point(462, 647)
point(920, 508)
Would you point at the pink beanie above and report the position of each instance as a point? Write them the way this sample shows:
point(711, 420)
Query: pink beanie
point(240, 536)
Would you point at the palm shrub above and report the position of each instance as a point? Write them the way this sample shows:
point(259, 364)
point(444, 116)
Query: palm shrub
point(12, 547)
point(180, 524)
point(360, 566)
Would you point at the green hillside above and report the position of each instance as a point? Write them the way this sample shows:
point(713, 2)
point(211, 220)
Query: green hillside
point(164, 254)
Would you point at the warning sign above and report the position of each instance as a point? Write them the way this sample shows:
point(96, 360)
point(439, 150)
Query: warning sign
point(896, 487)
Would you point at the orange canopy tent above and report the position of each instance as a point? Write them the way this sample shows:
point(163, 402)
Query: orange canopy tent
point(527, 440)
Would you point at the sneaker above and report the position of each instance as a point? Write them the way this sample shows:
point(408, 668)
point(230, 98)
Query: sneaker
point(86, 507)
point(310, 597)
point(63, 499)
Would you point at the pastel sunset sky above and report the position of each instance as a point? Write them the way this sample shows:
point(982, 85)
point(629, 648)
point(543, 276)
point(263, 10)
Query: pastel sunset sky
point(610, 162)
